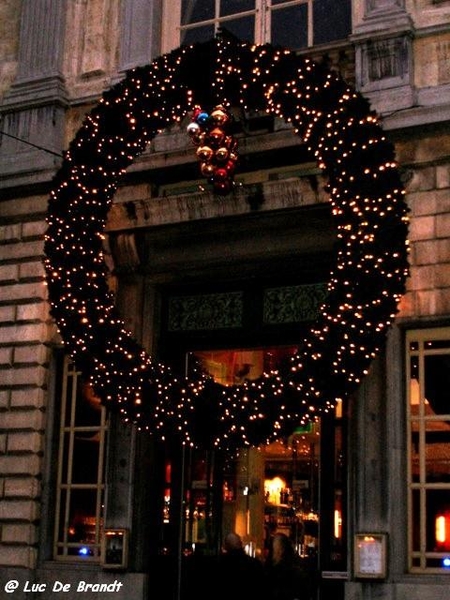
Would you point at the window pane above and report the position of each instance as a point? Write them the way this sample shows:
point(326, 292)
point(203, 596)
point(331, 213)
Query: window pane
point(437, 383)
point(437, 451)
point(234, 367)
point(416, 562)
point(232, 7)
point(414, 366)
point(437, 344)
point(61, 521)
point(69, 395)
point(437, 563)
point(88, 407)
point(438, 520)
point(289, 27)
point(193, 11)
point(65, 458)
point(197, 34)
point(415, 462)
point(415, 520)
point(85, 458)
point(82, 516)
point(332, 20)
point(243, 28)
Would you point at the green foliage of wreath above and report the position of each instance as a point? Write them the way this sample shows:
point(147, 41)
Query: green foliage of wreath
point(367, 276)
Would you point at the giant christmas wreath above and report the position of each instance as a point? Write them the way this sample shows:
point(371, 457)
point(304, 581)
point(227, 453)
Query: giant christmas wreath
point(368, 271)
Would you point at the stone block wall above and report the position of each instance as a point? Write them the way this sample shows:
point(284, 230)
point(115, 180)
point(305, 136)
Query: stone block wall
point(25, 331)
point(428, 197)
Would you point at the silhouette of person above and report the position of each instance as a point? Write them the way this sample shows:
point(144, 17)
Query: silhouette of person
point(239, 576)
point(285, 577)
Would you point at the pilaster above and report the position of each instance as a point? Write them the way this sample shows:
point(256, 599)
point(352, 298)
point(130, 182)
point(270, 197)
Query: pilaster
point(383, 43)
point(140, 33)
point(32, 112)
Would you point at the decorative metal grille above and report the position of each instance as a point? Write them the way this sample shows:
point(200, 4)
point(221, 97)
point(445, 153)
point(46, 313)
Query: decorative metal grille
point(293, 304)
point(206, 312)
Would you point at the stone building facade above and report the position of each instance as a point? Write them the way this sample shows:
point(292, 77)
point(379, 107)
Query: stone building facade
point(57, 57)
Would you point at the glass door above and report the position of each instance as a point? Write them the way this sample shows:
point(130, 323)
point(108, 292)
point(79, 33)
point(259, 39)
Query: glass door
point(294, 486)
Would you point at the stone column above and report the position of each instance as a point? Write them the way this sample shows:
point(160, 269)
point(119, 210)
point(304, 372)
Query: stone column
point(41, 41)
point(140, 33)
point(33, 108)
point(382, 33)
point(369, 452)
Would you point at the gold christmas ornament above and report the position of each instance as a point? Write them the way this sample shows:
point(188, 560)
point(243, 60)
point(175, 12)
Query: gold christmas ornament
point(219, 116)
point(222, 154)
point(207, 169)
point(205, 153)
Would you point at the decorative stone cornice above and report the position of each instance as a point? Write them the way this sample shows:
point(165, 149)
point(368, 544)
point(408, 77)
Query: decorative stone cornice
point(31, 94)
point(383, 25)
point(273, 195)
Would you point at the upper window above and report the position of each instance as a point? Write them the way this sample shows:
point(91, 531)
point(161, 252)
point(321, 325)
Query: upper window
point(428, 370)
point(292, 24)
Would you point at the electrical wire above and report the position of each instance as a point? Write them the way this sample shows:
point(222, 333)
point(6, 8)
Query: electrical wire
point(31, 144)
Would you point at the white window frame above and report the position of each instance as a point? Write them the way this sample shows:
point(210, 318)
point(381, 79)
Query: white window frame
point(421, 419)
point(68, 429)
point(263, 13)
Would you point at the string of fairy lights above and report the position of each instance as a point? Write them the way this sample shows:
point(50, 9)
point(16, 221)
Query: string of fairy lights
point(367, 277)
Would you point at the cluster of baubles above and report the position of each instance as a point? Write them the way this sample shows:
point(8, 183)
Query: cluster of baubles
point(216, 148)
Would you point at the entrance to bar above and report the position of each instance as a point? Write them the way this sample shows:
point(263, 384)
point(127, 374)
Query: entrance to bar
point(295, 486)
point(237, 297)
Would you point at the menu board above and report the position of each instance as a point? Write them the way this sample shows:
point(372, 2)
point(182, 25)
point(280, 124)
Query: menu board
point(115, 549)
point(370, 555)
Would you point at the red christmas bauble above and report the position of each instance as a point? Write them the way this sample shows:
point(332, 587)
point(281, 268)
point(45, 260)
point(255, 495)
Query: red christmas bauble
point(220, 174)
point(222, 187)
point(230, 166)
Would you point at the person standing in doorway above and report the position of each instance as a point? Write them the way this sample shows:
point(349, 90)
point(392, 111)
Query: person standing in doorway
point(285, 577)
point(238, 576)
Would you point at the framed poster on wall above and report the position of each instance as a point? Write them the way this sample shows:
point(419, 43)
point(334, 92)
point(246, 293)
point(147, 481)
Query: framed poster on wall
point(370, 555)
point(115, 549)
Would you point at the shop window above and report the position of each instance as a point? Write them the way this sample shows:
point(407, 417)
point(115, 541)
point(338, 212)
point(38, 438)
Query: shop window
point(80, 478)
point(428, 371)
point(293, 24)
